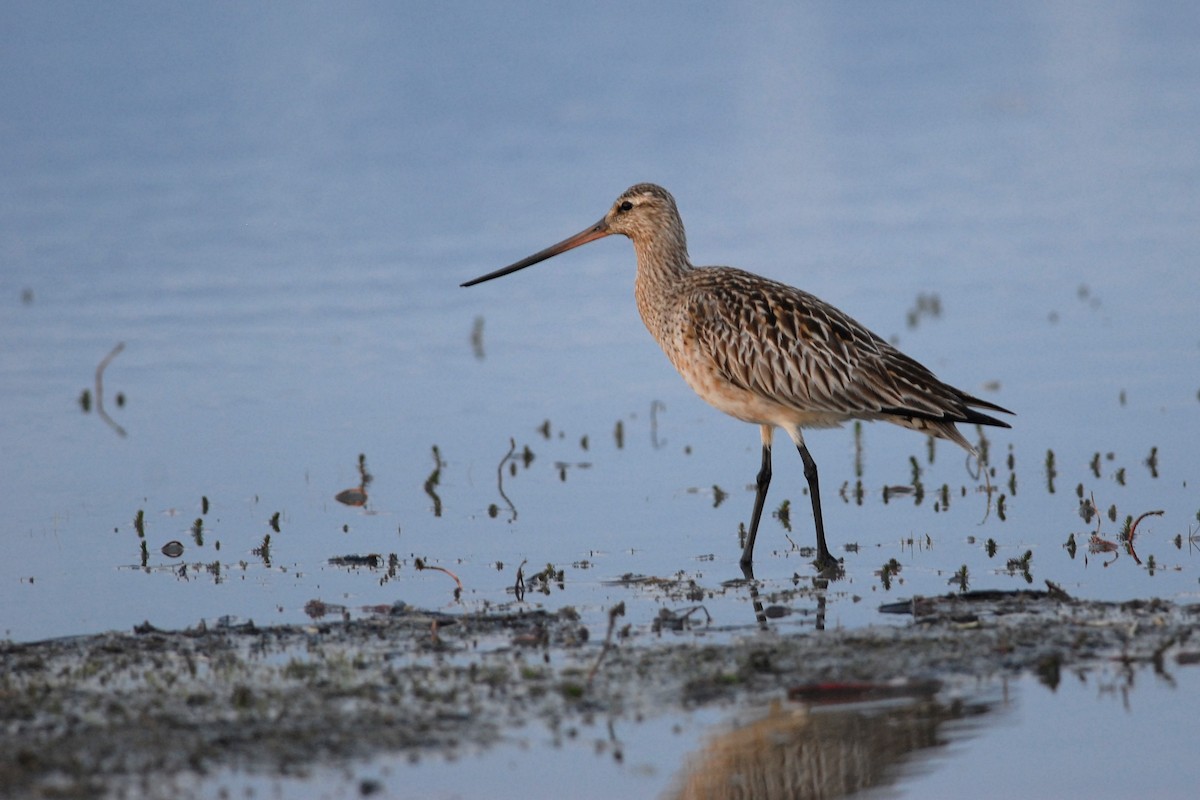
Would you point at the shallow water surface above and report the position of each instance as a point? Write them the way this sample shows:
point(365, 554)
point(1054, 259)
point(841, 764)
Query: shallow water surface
point(271, 210)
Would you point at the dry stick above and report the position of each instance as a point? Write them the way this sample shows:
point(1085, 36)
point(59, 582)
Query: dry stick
point(1133, 529)
point(420, 564)
point(100, 388)
point(616, 611)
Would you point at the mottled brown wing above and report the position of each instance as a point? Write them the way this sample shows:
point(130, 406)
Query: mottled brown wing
point(796, 350)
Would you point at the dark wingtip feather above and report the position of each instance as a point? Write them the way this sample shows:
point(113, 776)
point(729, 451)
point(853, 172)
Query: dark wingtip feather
point(978, 417)
point(967, 415)
point(975, 401)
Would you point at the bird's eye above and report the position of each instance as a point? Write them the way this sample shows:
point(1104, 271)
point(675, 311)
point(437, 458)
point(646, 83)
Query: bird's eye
point(626, 206)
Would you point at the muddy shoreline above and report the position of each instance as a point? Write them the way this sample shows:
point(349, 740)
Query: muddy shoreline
point(82, 714)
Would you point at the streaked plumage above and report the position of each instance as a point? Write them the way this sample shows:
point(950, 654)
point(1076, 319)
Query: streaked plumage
point(765, 352)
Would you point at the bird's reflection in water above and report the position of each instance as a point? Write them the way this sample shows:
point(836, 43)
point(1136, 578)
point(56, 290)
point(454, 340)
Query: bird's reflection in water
point(796, 750)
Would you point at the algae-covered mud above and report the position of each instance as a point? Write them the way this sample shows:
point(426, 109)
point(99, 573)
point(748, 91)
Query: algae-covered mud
point(128, 712)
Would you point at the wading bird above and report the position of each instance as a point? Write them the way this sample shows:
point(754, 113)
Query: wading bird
point(765, 352)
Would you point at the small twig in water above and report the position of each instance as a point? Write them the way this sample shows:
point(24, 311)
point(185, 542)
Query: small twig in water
point(433, 480)
point(655, 406)
point(512, 448)
point(477, 338)
point(458, 589)
point(987, 482)
point(616, 611)
point(1133, 530)
point(100, 388)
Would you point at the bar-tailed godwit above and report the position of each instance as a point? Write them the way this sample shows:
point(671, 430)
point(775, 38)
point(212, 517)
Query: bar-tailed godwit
point(765, 352)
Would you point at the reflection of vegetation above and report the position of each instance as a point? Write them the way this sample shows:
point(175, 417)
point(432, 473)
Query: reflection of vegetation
point(541, 581)
point(263, 551)
point(719, 495)
point(796, 751)
point(858, 449)
point(1021, 565)
point(961, 579)
point(927, 305)
point(887, 572)
point(784, 514)
point(944, 503)
point(918, 487)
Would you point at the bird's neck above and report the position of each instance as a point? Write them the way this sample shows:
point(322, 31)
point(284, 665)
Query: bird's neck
point(662, 260)
point(661, 273)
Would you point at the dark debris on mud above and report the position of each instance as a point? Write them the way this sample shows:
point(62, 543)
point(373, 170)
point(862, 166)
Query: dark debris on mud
point(80, 714)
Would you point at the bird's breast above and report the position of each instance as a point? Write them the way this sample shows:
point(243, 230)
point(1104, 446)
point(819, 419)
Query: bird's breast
point(701, 370)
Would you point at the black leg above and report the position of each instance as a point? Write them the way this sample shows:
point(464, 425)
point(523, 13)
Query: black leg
point(760, 497)
point(810, 473)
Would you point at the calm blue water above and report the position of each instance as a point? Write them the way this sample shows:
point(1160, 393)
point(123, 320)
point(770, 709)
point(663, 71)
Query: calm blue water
point(272, 208)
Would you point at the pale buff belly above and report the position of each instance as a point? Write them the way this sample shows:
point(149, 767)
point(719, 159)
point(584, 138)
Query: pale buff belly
point(750, 406)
